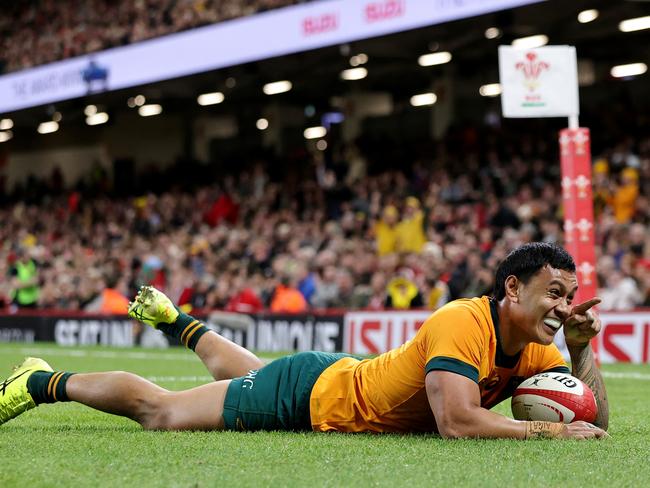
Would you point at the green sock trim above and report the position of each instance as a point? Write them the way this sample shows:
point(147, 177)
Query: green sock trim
point(48, 387)
point(193, 341)
point(186, 329)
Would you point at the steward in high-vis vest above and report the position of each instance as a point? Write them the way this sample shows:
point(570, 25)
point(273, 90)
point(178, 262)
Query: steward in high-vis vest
point(25, 282)
point(110, 301)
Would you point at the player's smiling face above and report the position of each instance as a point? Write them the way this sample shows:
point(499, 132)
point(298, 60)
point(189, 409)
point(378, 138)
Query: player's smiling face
point(545, 302)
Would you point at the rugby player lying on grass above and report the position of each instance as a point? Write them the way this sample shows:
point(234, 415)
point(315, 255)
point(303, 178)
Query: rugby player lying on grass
point(466, 358)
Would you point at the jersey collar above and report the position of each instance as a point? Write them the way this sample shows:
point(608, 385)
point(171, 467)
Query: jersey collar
point(501, 360)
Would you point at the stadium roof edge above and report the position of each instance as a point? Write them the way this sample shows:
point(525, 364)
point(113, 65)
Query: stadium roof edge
point(290, 30)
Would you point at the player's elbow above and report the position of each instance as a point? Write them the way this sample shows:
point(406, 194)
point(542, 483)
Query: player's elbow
point(457, 431)
point(455, 425)
point(450, 432)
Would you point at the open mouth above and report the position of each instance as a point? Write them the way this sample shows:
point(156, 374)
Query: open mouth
point(553, 324)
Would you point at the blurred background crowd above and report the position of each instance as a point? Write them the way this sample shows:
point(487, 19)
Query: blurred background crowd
point(346, 232)
point(39, 32)
point(369, 225)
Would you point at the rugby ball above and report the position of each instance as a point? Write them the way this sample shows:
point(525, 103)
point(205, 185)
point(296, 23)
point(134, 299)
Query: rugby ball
point(554, 397)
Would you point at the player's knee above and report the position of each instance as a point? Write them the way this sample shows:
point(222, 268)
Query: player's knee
point(153, 411)
point(158, 416)
point(163, 414)
point(156, 422)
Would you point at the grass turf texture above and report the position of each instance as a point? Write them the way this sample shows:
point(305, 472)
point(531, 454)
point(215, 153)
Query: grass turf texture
point(72, 445)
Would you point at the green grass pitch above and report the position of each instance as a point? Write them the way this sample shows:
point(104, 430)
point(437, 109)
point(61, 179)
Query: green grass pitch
point(72, 445)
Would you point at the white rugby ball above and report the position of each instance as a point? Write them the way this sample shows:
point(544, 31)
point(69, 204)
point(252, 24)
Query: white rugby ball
point(554, 397)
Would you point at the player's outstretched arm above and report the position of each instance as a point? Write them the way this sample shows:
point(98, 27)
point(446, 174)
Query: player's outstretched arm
point(579, 328)
point(456, 404)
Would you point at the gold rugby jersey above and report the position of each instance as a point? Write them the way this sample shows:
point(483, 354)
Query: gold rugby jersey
point(387, 393)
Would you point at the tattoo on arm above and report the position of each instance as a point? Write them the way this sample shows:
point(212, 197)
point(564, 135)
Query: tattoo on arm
point(542, 429)
point(584, 367)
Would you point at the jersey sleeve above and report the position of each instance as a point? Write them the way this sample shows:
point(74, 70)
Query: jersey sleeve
point(548, 358)
point(453, 341)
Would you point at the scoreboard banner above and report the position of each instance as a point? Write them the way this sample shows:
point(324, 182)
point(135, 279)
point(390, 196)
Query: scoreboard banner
point(625, 336)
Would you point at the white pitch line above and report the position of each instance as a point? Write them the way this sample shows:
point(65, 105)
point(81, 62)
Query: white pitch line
point(152, 355)
point(117, 354)
point(81, 353)
point(627, 376)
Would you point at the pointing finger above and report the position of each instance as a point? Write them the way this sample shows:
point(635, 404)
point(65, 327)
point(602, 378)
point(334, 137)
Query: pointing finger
point(584, 306)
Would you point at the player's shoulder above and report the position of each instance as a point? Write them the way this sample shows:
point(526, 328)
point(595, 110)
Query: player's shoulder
point(461, 313)
point(465, 306)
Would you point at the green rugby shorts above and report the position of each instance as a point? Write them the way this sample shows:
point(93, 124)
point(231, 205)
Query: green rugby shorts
point(276, 397)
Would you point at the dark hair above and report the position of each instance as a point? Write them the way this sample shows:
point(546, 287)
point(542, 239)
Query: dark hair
point(525, 261)
point(111, 279)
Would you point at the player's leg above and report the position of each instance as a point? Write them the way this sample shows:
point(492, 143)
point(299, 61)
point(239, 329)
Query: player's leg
point(119, 393)
point(153, 407)
point(223, 358)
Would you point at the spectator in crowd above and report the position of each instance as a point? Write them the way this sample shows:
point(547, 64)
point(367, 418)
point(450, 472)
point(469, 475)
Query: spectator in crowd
point(245, 299)
point(437, 292)
point(357, 165)
point(43, 31)
point(601, 186)
point(386, 233)
point(327, 288)
point(110, 299)
point(306, 280)
point(402, 292)
point(410, 231)
point(5, 286)
point(620, 292)
point(625, 196)
point(287, 298)
point(216, 258)
point(348, 296)
point(373, 295)
point(642, 276)
point(24, 280)
point(473, 279)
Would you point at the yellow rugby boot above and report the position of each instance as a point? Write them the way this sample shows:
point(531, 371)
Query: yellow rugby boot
point(152, 307)
point(14, 397)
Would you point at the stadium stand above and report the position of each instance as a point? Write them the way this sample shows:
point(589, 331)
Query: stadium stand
point(34, 33)
point(233, 244)
point(351, 232)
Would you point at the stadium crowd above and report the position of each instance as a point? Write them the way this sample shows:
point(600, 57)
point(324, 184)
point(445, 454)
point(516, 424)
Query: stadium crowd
point(341, 235)
point(42, 31)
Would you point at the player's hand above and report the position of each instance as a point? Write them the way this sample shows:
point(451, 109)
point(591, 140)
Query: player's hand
point(581, 430)
point(582, 324)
